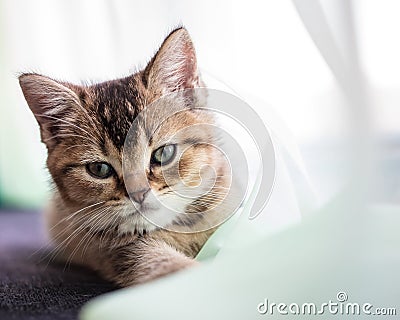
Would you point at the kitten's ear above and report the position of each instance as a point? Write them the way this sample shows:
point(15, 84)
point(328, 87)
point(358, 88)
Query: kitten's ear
point(49, 100)
point(174, 67)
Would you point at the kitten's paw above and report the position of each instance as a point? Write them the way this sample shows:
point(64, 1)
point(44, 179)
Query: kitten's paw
point(164, 268)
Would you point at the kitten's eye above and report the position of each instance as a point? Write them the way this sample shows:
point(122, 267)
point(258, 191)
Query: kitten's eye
point(100, 170)
point(164, 155)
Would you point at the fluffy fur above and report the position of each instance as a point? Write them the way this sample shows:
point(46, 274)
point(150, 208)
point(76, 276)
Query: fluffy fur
point(92, 221)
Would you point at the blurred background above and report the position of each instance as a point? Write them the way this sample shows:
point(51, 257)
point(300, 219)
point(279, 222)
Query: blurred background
point(329, 70)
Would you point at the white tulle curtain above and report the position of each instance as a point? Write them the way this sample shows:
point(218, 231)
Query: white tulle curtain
point(293, 55)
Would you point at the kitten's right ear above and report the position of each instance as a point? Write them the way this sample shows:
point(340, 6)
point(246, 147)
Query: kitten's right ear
point(48, 99)
point(174, 67)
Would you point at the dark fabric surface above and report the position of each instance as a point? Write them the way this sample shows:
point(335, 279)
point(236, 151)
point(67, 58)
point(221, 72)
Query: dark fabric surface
point(32, 288)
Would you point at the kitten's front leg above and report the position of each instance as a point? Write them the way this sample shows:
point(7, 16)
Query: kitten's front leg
point(144, 260)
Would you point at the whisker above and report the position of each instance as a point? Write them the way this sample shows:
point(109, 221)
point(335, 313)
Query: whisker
point(88, 236)
point(67, 135)
point(64, 121)
point(68, 217)
point(76, 231)
point(78, 145)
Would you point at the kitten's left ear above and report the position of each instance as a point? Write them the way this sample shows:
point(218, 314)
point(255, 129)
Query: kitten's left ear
point(49, 101)
point(174, 67)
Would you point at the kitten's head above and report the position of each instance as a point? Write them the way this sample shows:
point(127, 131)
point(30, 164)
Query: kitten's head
point(84, 129)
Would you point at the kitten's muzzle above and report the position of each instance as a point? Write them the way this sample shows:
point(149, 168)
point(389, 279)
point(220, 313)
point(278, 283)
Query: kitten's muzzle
point(140, 195)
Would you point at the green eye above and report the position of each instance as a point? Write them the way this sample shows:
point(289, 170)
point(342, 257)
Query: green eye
point(100, 170)
point(164, 155)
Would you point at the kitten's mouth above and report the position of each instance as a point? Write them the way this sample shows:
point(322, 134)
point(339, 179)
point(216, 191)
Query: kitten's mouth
point(135, 224)
point(144, 209)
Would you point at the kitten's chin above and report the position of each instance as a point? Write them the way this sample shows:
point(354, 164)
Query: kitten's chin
point(148, 220)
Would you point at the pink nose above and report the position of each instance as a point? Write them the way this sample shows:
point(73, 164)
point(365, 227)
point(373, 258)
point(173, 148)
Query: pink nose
point(139, 195)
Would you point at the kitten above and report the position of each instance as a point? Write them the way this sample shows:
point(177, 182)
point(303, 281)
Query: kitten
point(91, 218)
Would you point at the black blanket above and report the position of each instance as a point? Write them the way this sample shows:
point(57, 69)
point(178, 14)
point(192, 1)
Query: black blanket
point(32, 288)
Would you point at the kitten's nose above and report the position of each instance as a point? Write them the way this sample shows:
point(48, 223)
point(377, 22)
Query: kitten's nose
point(139, 196)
